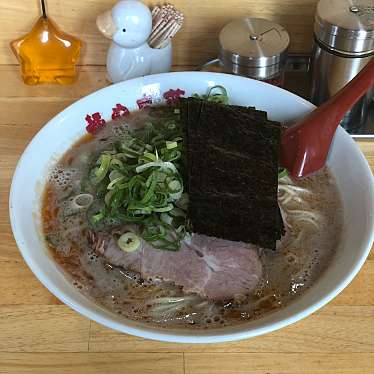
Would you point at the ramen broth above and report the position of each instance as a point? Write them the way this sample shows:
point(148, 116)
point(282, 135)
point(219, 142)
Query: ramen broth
point(312, 215)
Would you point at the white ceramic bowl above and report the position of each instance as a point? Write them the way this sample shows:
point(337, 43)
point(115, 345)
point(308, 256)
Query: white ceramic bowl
point(348, 165)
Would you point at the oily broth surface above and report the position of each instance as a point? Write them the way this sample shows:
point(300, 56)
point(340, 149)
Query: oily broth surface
point(303, 255)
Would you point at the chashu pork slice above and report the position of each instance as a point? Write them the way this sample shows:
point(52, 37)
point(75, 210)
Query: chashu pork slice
point(214, 268)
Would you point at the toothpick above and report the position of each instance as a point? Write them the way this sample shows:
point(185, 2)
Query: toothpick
point(167, 21)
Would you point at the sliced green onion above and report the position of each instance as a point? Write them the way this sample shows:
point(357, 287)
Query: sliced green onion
point(166, 218)
point(157, 139)
point(161, 177)
point(166, 245)
point(176, 189)
point(221, 97)
point(83, 200)
point(149, 192)
point(147, 157)
point(166, 208)
point(130, 217)
point(175, 186)
point(170, 125)
point(97, 217)
point(282, 172)
point(114, 174)
point(120, 155)
point(101, 171)
point(162, 165)
point(114, 182)
point(171, 145)
point(117, 199)
point(108, 197)
point(152, 233)
point(116, 162)
point(129, 242)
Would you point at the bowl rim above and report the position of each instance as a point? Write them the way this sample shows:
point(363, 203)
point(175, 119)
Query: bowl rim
point(149, 332)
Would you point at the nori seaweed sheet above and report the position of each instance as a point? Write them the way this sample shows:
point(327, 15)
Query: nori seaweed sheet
point(232, 167)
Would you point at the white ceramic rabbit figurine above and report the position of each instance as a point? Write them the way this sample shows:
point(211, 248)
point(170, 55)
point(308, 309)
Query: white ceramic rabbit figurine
point(129, 24)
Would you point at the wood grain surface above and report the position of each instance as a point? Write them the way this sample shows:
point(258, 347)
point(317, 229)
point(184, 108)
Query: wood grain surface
point(40, 335)
point(195, 43)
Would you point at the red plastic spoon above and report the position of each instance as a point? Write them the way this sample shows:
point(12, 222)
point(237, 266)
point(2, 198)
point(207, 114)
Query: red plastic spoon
point(305, 146)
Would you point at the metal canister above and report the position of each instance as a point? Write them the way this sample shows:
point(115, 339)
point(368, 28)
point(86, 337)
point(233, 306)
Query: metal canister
point(254, 47)
point(344, 44)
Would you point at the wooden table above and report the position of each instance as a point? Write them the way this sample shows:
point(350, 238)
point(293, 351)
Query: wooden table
point(40, 335)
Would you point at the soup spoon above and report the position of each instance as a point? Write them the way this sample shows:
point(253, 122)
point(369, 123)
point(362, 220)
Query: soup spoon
point(305, 146)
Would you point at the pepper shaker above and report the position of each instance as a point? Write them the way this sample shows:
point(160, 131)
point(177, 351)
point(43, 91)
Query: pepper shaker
point(344, 44)
point(254, 47)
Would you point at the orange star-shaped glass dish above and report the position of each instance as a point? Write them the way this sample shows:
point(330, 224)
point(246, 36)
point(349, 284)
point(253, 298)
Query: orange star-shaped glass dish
point(46, 54)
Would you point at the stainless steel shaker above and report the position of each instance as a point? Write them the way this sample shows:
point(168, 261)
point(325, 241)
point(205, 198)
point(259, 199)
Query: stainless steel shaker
point(344, 44)
point(254, 47)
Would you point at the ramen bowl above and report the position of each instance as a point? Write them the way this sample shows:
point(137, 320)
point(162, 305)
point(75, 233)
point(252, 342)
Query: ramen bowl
point(346, 162)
